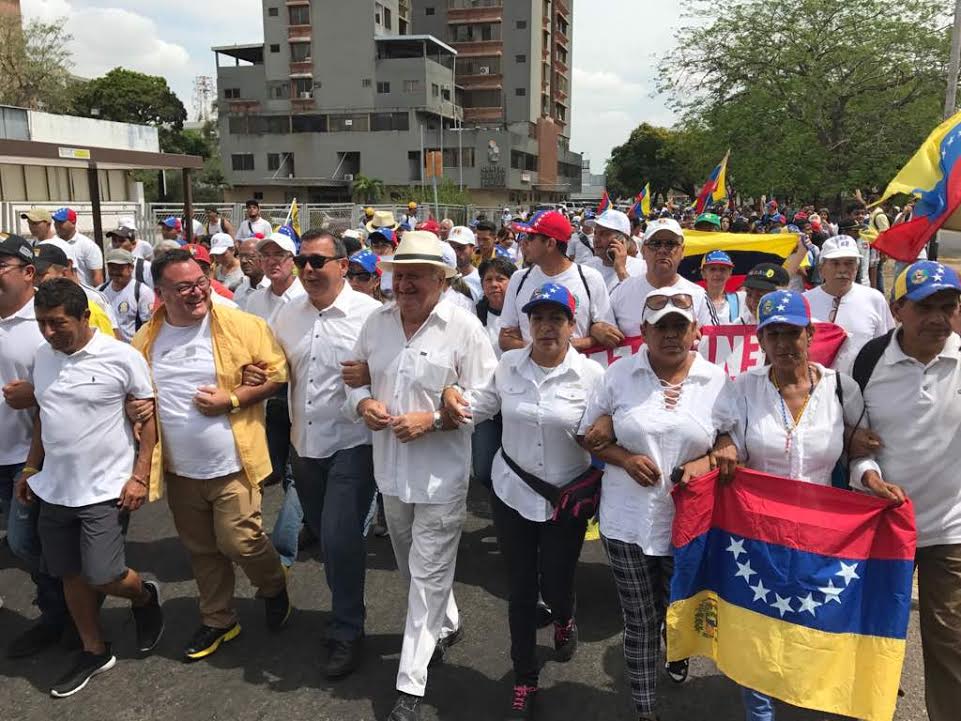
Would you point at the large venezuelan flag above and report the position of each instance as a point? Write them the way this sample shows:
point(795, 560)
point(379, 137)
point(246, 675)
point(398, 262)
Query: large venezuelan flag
point(933, 175)
point(796, 590)
point(746, 250)
point(642, 204)
point(715, 189)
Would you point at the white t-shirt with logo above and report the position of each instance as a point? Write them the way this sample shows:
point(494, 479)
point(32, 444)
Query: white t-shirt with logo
point(125, 306)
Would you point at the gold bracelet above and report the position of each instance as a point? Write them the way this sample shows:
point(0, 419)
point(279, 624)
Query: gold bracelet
point(30, 470)
point(139, 480)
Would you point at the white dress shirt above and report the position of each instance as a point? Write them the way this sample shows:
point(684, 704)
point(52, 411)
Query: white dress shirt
point(410, 375)
point(634, 266)
point(627, 302)
point(542, 410)
point(590, 310)
point(89, 448)
point(266, 304)
point(863, 313)
point(632, 394)
point(460, 300)
point(315, 343)
point(473, 281)
point(916, 409)
point(816, 443)
point(20, 339)
point(245, 290)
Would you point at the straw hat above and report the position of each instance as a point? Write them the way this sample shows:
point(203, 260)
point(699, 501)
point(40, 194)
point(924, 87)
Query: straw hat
point(382, 219)
point(418, 247)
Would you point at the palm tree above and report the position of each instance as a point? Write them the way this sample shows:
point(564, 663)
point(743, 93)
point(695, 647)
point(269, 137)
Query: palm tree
point(368, 189)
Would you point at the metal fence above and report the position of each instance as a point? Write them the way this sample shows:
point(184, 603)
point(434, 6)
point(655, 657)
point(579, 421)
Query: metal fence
point(110, 212)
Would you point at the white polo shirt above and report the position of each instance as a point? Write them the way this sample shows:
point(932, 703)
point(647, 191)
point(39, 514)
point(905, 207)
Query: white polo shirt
point(863, 312)
point(315, 343)
point(126, 306)
point(88, 443)
point(87, 256)
point(627, 302)
point(634, 267)
point(266, 304)
point(20, 339)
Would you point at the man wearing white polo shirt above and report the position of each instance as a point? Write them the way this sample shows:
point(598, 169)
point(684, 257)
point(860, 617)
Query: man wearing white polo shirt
point(612, 231)
point(860, 309)
point(88, 473)
point(663, 250)
point(87, 254)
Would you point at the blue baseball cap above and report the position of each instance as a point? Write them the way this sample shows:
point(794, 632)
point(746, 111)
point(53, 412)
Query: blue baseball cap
point(552, 294)
point(404, 226)
point(385, 233)
point(65, 214)
point(924, 278)
point(367, 260)
point(783, 306)
point(501, 252)
point(172, 222)
point(717, 257)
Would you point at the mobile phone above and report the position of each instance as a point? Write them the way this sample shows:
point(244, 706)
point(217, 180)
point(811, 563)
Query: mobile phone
point(677, 475)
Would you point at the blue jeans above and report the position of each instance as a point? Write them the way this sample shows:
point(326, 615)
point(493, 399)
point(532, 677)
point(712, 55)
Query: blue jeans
point(336, 493)
point(757, 706)
point(24, 542)
point(286, 533)
point(484, 444)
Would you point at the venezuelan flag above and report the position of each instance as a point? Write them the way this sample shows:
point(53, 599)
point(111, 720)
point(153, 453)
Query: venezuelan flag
point(715, 189)
point(642, 203)
point(746, 250)
point(604, 204)
point(796, 590)
point(933, 175)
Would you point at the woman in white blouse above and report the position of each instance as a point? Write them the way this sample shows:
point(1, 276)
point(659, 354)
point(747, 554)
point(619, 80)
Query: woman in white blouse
point(791, 416)
point(541, 391)
point(666, 413)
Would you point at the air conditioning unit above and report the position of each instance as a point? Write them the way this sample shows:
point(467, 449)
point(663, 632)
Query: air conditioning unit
point(349, 177)
point(306, 95)
point(484, 70)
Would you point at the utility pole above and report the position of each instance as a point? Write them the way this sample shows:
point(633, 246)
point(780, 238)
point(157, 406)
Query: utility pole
point(954, 64)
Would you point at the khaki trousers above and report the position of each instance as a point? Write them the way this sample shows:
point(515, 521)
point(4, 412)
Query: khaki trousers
point(939, 588)
point(219, 522)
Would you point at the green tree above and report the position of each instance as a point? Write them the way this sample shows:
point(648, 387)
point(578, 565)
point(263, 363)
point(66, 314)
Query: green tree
point(366, 189)
point(35, 64)
point(130, 97)
point(813, 97)
point(667, 158)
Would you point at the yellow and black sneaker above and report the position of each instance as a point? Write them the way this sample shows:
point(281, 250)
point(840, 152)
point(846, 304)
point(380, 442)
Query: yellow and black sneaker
point(207, 640)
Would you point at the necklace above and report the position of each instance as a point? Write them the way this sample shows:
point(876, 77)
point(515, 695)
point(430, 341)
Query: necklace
point(790, 428)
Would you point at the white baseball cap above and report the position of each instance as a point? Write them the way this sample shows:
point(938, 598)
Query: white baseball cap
point(652, 316)
point(449, 256)
point(351, 233)
point(840, 246)
point(281, 240)
point(663, 224)
point(127, 222)
point(462, 235)
point(614, 220)
point(220, 243)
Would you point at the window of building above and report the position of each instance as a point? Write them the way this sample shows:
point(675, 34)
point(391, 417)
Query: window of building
point(309, 123)
point(299, 52)
point(560, 112)
point(485, 65)
point(365, 83)
point(273, 12)
point(561, 55)
point(378, 14)
point(452, 156)
point(445, 93)
point(349, 123)
point(520, 92)
point(561, 26)
point(383, 87)
point(242, 161)
point(434, 90)
point(275, 47)
point(280, 161)
point(303, 87)
point(523, 161)
point(276, 124)
point(237, 125)
point(473, 32)
point(278, 91)
point(231, 93)
point(258, 195)
point(389, 121)
point(299, 14)
point(387, 18)
point(411, 86)
point(520, 58)
point(522, 25)
point(428, 11)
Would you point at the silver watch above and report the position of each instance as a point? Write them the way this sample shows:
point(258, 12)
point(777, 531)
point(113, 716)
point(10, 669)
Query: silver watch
point(438, 422)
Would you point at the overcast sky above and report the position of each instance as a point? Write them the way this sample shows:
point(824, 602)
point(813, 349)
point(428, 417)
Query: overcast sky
point(615, 43)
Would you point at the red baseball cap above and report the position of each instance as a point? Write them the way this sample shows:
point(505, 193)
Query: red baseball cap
point(65, 214)
point(551, 223)
point(430, 225)
point(199, 252)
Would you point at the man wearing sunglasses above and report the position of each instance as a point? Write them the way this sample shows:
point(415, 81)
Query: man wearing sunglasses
point(332, 456)
point(663, 250)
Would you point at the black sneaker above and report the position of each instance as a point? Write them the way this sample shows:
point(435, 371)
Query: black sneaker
point(343, 657)
point(565, 641)
point(35, 639)
point(208, 639)
point(522, 702)
point(149, 619)
point(444, 644)
point(407, 708)
point(87, 666)
point(277, 610)
point(545, 617)
point(677, 670)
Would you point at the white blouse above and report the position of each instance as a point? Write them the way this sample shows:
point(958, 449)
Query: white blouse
point(632, 393)
point(542, 413)
point(817, 442)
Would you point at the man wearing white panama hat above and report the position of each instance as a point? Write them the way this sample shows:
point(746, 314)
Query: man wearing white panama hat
point(414, 349)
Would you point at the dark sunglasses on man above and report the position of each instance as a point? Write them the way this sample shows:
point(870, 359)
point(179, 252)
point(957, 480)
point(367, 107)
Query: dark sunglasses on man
point(317, 262)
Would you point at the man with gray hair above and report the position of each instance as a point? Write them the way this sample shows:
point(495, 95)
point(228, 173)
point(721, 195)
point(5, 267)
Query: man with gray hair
point(445, 227)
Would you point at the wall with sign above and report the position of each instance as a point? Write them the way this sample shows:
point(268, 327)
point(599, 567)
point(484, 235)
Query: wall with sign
point(71, 131)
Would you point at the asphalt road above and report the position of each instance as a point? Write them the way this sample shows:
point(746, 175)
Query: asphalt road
point(265, 677)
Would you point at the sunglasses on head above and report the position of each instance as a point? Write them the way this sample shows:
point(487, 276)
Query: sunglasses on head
point(680, 300)
point(314, 260)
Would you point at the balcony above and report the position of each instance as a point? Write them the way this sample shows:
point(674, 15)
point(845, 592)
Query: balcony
point(481, 82)
point(239, 107)
point(483, 115)
point(560, 65)
point(291, 3)
point(561, 7)
point(303, 104)
point(305, 68)
point(478, 48)
point(299, 32)
point(492, 14)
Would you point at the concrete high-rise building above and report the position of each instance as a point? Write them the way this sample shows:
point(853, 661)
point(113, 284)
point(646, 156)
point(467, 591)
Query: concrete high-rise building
point(337, 89)
point(10, 7)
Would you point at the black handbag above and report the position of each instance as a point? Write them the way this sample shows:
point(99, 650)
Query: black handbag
point(577, 500)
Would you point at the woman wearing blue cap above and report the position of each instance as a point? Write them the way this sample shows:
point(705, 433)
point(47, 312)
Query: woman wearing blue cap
point(544, 489)
point(723, 306)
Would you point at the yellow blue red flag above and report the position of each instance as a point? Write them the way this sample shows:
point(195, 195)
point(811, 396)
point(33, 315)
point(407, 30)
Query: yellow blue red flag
point(746, 251)
point(796, 590)
point(604, 204)
point(715, 189)
point(642, 203)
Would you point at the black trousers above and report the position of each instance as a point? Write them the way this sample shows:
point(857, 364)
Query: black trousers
point(278, 434)
point(540, 556)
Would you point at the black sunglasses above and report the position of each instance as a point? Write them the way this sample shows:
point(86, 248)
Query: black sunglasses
point(316, 261)
point(362, 275)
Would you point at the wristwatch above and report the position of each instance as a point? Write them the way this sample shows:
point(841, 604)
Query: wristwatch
point(438, 422)
point(234, 403)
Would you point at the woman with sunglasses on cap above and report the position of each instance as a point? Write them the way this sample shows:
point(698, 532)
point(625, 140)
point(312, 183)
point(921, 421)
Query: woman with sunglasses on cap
point(541, 391)
point(667, 414)
point(791, 416)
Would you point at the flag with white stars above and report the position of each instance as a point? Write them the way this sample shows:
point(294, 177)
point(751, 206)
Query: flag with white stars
point(797, 590)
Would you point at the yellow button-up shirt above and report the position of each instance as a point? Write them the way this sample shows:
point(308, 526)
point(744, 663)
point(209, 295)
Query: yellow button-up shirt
point(239, 339)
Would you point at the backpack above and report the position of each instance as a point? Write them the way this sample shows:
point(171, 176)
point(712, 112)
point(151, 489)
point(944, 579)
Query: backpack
point(868, 357)
point(580, 272)
point(137, 284)
point(734, 305)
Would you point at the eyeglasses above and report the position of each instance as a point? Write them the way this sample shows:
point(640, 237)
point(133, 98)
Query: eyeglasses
point(4, 267)
point(317, 262)
point(275, 257)
point(248, 256)
point(680, 300)
point(360, 275)
point(185, 289)
point(657, 245)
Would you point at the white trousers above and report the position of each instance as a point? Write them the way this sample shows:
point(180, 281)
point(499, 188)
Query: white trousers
point(425, 538)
